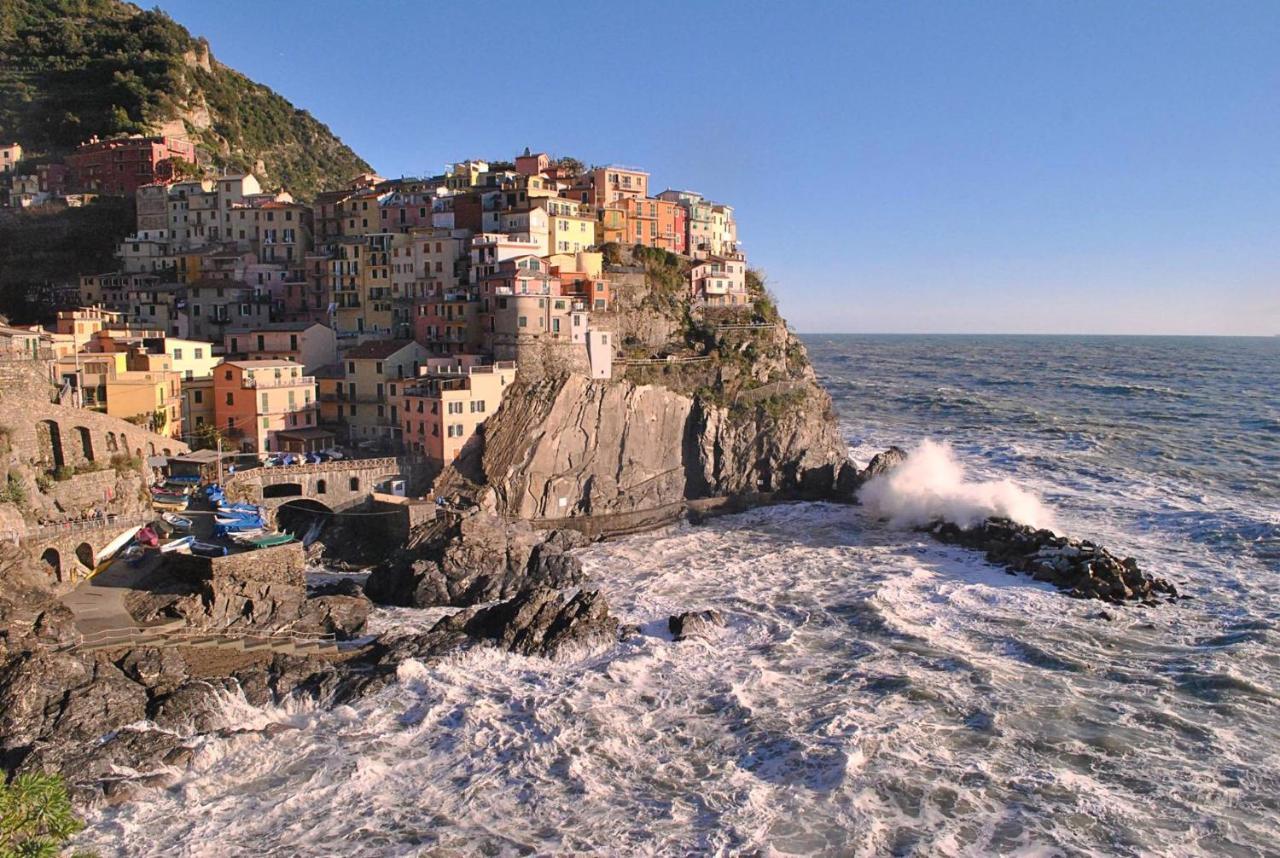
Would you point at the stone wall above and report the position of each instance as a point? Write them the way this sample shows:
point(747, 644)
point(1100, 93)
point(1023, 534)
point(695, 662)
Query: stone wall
point(283, 564)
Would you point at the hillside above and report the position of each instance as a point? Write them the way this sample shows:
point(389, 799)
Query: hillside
point(70, 69)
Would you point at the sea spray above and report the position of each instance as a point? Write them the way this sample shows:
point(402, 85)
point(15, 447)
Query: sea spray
point(931, 485)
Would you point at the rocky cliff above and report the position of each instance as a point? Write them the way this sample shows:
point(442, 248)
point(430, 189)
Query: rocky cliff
point(705, 403)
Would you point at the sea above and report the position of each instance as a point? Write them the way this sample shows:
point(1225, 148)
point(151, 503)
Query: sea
point(872, 692)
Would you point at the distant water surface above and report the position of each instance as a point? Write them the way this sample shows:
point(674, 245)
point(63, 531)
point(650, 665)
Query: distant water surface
point(874, 693)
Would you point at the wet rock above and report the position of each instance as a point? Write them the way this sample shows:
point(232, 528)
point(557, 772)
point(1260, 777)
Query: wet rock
point(1082, 569)
point(695, 624)
point(542, 622)
point(882, 463)
point(479, 558)
point(191, 707)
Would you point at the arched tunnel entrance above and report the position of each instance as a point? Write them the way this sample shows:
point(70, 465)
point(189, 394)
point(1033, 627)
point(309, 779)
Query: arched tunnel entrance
point(53, 563)
point(305, 518)
point(282, 490)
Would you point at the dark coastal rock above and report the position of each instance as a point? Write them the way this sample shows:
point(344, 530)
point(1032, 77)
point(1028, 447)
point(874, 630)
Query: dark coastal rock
point(695, 624)
point(1082, 569)
point(882, 463)
point(542, 622)
point(849, 480)
point(480, 558)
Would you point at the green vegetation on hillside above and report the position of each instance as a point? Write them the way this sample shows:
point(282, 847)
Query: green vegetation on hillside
point(70, 69)
point(52, 245)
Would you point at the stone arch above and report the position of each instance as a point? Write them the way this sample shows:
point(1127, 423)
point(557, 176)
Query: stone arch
point(282, 490)
point(53, 560)
point(86, 443)
point(112, 445)
point(84, 553)
point(124, 443)
point(299, 516)
point(321, 487)
point(50, 437)
point(167, 452)
point(151, 448)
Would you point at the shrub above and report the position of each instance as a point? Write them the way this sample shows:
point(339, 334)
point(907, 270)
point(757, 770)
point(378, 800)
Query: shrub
point(35, 816)
point(13, 491)
point(43, 482)
point(64, 473)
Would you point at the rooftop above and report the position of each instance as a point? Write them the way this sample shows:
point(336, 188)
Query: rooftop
point(262, 364)
point(376, 349)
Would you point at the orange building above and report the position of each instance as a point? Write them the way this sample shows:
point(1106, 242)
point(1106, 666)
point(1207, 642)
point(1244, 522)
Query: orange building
point(655, 223)
point(256, 400)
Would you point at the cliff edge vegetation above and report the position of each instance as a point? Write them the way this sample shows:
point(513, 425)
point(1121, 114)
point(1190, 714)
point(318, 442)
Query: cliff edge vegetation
point(70, 69)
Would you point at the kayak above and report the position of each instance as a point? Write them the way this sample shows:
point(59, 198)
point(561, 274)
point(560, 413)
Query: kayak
point(178, 544)
point(179, 521)
point(208, 549)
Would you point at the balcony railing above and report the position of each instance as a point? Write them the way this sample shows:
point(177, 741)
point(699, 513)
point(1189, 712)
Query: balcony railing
point(283, 381)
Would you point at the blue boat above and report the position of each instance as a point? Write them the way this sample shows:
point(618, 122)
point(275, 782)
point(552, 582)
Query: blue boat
point(238, 509)
point(239, 526)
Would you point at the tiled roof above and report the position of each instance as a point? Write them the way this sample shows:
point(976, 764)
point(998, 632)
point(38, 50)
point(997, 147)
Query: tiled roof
point(376, 349)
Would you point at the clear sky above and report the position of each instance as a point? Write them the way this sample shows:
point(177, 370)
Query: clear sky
point(1066, 167)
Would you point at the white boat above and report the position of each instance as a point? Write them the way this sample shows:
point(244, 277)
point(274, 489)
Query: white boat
point(179, 521)
point(183, 544)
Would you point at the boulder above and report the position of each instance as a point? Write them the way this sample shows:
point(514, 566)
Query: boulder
point(695, 624)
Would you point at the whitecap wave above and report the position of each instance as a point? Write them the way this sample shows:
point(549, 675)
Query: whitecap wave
point(931, 485)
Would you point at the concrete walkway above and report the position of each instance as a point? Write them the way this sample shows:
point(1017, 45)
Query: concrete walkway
point(102, 618)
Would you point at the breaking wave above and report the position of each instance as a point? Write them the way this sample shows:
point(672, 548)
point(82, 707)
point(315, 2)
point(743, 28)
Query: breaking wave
point(931, 485)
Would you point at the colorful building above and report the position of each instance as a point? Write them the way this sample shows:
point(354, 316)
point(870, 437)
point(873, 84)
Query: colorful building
point(307, 343)
point(442, 410)
point(122, 164)
point(256, 400)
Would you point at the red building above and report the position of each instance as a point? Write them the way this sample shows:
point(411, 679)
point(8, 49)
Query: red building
point(120, 165)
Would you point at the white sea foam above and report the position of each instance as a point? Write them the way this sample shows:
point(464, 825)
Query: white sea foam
point(931, 485)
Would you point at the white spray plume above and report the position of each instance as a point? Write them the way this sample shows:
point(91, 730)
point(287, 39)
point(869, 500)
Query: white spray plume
point(931, 485)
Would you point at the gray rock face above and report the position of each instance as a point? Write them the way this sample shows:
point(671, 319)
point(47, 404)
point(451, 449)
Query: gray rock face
point(480, 559)
point(579, 447)
point(695, 624)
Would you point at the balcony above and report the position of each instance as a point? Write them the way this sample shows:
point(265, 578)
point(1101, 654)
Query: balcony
point(284, 381)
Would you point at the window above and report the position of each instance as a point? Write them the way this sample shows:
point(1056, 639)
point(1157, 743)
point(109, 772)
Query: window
point(177, 354)
point(523, 322)
point(231, 398)
point(321, 487)
point(355, 484)
point(197, 396)
point(265, 406)
point(351, 367)
point(199, 354)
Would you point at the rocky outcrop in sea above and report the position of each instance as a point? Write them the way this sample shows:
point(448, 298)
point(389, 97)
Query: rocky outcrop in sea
point(1079, 567)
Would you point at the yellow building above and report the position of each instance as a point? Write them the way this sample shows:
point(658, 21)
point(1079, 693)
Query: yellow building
point(572, 224)
point(153, 399)
point(375, 374)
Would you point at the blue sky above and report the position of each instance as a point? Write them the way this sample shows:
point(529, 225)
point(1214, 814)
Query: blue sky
point(1070, 167)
